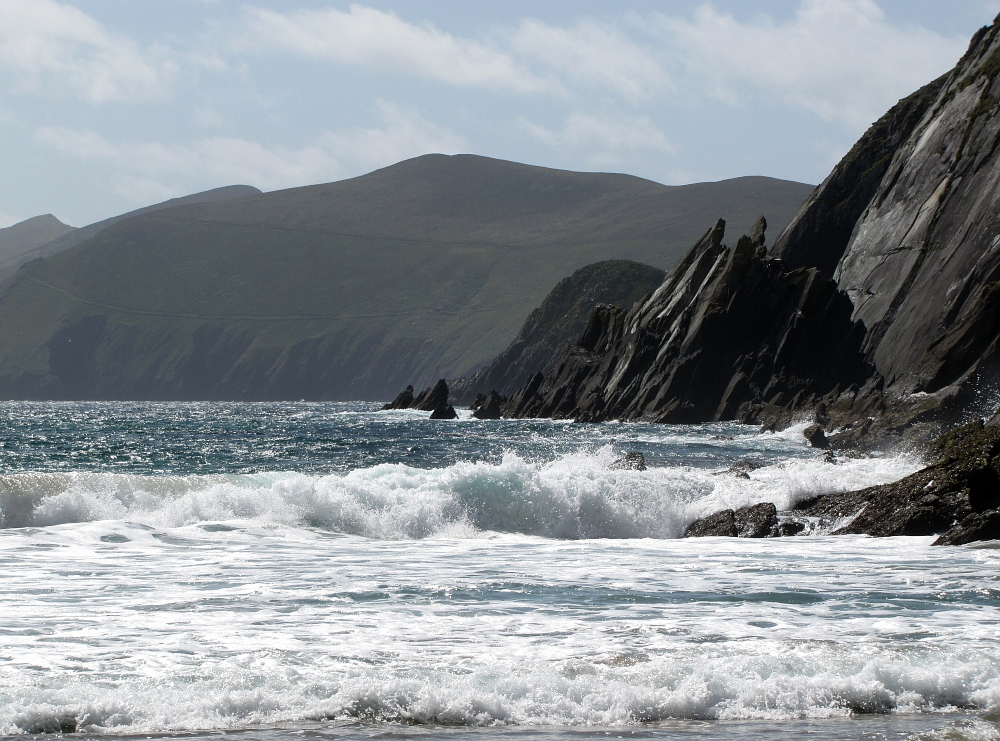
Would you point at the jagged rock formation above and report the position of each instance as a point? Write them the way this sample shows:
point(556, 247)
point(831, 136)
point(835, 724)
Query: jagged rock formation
point(487, 406)
point(730, 332)
point(558, 321)
point(433, 399)
point(403, 401)
point(878, 311)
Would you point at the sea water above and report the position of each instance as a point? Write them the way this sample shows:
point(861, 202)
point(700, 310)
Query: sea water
point(331, 571)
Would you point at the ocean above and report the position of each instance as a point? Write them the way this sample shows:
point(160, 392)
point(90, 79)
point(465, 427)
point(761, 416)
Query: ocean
point(329, 571)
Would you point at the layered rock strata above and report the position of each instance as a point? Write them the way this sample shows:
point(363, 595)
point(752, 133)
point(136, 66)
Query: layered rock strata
point(728, 334)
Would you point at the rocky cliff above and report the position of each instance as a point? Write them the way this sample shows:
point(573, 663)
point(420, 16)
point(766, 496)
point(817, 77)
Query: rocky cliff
point(730, 331)
point(880, 301)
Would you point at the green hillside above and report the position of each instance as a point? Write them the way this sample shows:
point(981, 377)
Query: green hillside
point(20, 240)
point(346, 290)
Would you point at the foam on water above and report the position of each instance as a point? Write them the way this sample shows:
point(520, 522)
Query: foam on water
point(173, 567)
point(573, 496)
point(121, 628)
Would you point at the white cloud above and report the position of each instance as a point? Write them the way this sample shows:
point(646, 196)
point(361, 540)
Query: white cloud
point(840, 59)
point(601, 139)
point(594, 55)
point(152, 171)
point(375, 39)
point(57, 48)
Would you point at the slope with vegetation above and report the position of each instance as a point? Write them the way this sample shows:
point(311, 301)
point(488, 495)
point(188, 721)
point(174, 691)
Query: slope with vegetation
point(347, 290)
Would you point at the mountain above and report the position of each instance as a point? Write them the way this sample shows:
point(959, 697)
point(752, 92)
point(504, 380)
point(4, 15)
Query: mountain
point(560, 319)
point(876, 312)
point(347, 290)
point(68, 237)
point(22, 239)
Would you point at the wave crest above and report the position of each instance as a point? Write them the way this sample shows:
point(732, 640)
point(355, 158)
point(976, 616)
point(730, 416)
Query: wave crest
point(575, 496)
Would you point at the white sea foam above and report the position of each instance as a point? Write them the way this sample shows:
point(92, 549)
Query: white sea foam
point(207, 627)
point(575, 496)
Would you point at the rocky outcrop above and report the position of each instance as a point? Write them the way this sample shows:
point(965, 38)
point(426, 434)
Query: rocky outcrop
point(433, 399)
point(403, 401)
point(488, 406)
point(558, 322)
point(730, 333)
point(956, 498)
point(757, 521)
point(634, 460)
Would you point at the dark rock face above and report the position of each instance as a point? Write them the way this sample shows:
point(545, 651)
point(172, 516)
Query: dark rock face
point(631, 461)
point(488, 406)
point(816, 436)
point(921, 267)
point(821, 231)
point(430, 399)
point(560, 319)
point(757, 521)
point(403, 401)
point(730, 332)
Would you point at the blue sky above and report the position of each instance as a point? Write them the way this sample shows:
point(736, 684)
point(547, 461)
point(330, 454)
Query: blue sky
point(108, 105)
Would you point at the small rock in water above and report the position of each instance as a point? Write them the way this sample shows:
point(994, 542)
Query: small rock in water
point(631, 461)
point(816, 437)
point(445, 411)
point(403, 401)
point(788, 528)
point(488, 406)
point(758, 521)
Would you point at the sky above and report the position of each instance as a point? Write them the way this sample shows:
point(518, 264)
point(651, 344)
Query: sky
point(110, 105)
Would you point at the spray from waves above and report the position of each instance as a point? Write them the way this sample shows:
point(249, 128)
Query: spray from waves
point(575, 496)
point(825, 682)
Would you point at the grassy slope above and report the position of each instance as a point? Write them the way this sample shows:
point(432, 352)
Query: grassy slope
point(344, 290)
point(22, 238)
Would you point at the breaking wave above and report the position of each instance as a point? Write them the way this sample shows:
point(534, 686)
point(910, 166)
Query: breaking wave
point(574, 496)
